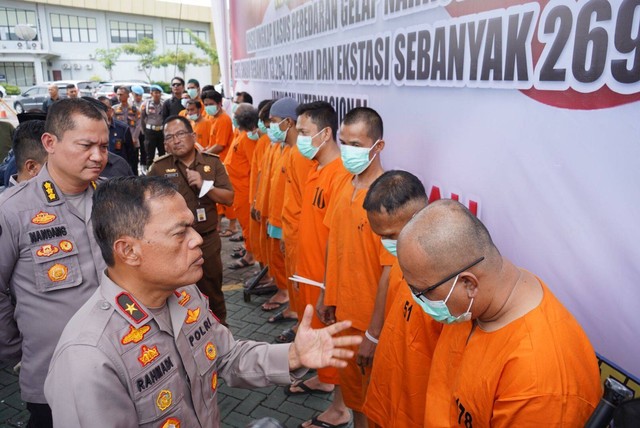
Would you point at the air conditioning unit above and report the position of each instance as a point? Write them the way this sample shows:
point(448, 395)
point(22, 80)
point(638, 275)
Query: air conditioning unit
point(92, 56)
point(89, 66)
point(34, 45)
point(140, 68)
point(77, 66)
point(66, 66)
point(20, 45)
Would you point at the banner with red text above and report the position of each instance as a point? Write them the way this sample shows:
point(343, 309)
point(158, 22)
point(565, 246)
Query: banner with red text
point(528, 112)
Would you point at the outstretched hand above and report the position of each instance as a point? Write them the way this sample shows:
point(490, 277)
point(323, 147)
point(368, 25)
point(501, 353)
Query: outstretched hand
point(320, 348)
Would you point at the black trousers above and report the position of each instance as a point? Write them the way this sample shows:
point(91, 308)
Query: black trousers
point(40, 416)
point(154, 140)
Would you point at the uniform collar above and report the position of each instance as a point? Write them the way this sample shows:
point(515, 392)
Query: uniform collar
point(199, 159)
point(135, 313)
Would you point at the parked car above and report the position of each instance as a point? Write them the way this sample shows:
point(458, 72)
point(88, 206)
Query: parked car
point(31, 98)
point(86, 88)
point(109, 89)
point(3, 92)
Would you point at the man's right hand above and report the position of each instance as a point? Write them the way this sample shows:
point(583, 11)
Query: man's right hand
point(327, 314)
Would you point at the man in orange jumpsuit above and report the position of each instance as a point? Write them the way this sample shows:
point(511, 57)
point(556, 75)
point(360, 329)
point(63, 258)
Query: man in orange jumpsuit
point(220, 140)
point(317, 126)
point(510, 354)
point(357, 268)
point(200, 122)
point(282, 129)
point(238, 164)
point(400, 374)
point(261, 150)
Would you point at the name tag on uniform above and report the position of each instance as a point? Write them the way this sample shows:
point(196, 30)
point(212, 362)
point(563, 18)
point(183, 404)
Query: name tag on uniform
point(201, 215)
point(171, 175)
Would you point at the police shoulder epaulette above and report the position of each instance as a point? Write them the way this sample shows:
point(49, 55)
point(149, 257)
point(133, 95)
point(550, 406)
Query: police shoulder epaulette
point(210, 154)
point(163, 157)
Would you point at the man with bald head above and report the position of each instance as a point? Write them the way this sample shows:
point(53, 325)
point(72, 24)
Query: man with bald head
point(510, 354)
point(53, 97)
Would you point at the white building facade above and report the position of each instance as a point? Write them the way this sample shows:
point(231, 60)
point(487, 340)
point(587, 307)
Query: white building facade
point(68, 33)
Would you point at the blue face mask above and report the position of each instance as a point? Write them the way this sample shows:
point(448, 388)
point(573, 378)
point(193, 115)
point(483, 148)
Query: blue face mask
point(183, 101)
point(277, 134)
point(234, 122)
point(438, 310)
point(192, 93)
point(193, 117)
point(211, 110)
point(234, 107)
point(390, 246)
point(261, 127)
point(306, 147)
point(253, 135)
point(356, 159)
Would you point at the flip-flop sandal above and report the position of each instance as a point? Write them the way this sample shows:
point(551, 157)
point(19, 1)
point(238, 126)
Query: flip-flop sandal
point(227, 233)
point(305, 389)
point(239, 264)
point(315, 422)
point(286, 336)
point(239, 254)
point(275, 305)
point(238, 238)
point(279, 317)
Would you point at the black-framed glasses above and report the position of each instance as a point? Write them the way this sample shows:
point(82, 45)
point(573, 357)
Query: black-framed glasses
point(180, 135)
point(419, 293)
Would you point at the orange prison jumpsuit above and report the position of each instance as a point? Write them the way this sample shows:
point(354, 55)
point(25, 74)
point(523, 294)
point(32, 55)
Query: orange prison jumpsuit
point(238, 164)
point(400, 373)
point(262, 145)
point(312, 243)
point(222, 134)
point(276, 200)
point(297, 170)
point(539, 370)
point(262, 196)
point(202, 129)
point(355, 259)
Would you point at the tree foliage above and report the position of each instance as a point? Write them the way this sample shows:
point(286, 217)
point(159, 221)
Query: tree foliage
point(108, 59)
point(181, 59)
point(204, 47)
point(145, 49)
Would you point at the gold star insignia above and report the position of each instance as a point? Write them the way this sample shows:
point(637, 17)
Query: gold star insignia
point(131, 308)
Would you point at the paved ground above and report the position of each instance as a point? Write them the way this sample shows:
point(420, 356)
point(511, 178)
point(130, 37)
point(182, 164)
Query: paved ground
point(237, 406)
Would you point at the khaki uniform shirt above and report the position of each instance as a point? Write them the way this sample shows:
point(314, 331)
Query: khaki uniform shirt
point(117, 365)
point(210, 168)
point(49, 264)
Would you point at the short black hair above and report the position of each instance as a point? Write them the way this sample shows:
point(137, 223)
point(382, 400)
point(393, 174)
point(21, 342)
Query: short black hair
point(60, 117)
point(265, 110)
point(370, 117)
point(393, 190)
point(262, 104)
point(321, 113)
point(120, 209)
point(178, 78)
point(184, 120)
point(212, 95)
point(246, 97)
point(194, 81)
point(197, 103)
point(27, 143)
point(71, 86)
point(247, 118)
point(208, 88)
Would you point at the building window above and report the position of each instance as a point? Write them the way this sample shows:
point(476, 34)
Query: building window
point(18, 73)
point(129, 32)
point(177, 36)
point(70, 28)
point(10, 17)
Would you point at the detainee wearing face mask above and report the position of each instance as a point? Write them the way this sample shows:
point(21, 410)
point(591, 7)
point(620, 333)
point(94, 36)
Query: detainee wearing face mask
point(357, 267)
point(510, 354)
point(401, 368)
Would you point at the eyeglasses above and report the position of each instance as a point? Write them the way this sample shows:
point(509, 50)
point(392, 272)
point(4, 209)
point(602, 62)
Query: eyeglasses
point(419, 293)
point(176, 84)
point(179, 135)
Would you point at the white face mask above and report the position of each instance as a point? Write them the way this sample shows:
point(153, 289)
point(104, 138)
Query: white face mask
point(438, 309)
point(356, 159)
